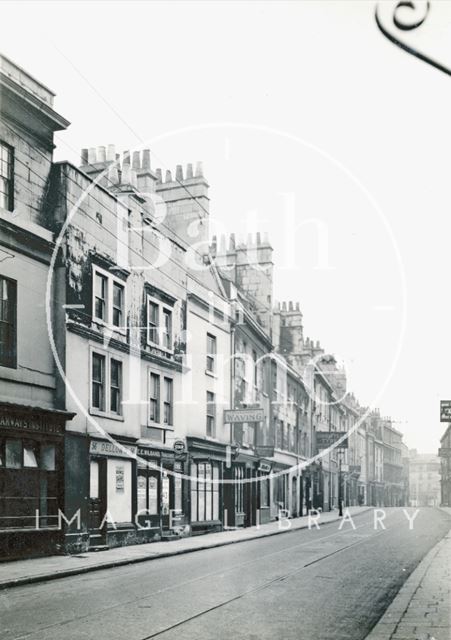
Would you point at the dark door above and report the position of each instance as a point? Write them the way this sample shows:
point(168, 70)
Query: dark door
point(97, 496)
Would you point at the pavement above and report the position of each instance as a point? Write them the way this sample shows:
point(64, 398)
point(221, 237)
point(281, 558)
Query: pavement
point(22, 572)
point(422, 608)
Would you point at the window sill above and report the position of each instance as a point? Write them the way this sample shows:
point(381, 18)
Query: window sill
point(104, 414)
point(102, 324)
point(211, 374)
point(153, 345)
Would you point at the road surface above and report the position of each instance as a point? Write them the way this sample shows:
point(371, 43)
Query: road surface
point(316, 585)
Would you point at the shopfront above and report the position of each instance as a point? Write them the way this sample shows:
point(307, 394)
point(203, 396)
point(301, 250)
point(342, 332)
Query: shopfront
point(112, 479)
point(31, 480)
point(207, 463)
point(161, 492)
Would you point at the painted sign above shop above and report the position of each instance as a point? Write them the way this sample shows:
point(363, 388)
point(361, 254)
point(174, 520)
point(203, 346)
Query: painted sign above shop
point(106, 448)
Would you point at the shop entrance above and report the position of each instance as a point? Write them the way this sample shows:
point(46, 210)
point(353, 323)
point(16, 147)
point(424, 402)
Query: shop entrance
point(97, 502)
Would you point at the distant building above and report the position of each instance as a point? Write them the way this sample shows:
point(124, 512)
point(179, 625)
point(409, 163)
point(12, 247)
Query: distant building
point(445, 468)
point(424, 479)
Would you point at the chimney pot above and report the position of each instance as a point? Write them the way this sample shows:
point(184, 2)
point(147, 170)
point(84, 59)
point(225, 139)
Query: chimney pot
point(136, 160)
point(179, 173)
point(284, 306)
point(92, 155)
point(232, 242)
point(126, 156)
point(146, 159)
point(126, 173)
point(101, 154)
point(168, 176)
point(199, 170)
point(290, 305)
point(189, 171)
point(159, 176)
point(111, 153)
point(259, 238)
point(84, 156)
point(297, 306)
point(113, 174)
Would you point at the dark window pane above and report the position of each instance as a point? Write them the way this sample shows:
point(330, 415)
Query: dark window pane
point(13, 454)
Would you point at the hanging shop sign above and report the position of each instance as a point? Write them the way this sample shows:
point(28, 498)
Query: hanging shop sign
point(326, 439)
point(237, 416)
point(445, 410)
point(179, 446)
point(264, 450)
point(444, 452)
point(264, 467)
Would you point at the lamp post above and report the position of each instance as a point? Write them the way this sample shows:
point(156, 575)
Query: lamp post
point(340, 500)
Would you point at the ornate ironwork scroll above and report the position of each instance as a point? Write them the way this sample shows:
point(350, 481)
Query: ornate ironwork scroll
point(404, 21)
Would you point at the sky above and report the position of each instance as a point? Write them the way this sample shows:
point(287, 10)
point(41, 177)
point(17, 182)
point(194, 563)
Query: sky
point(311, 126)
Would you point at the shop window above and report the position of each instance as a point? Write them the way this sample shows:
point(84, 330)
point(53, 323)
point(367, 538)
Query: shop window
point(13, 454)
point(204, 491)
point(6, 177)
point(167, 402)
point(108, 299)
point(48, 457)
point(211, 414)
point(8, 321)
point(211, 353)
point(264, 491)
point(159, 324)
point(148, 493)
point(28, 482)
point(239, 489)
point(31, 454)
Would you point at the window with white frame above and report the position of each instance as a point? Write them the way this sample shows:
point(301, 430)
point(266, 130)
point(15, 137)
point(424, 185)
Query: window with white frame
point(6, 177)
point(159, 324)
point(154, 400)
point(211, 353)
point(161, 400)
point(167, 401)
point(211, 414)
point(108, 299)
point(115, 386)
point(106, 384)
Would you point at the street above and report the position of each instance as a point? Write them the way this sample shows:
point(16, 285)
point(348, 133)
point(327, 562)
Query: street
point(321, 584)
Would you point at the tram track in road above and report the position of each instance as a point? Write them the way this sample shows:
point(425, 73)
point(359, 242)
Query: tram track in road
point(261, 587)
point(314, 541)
